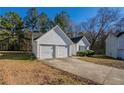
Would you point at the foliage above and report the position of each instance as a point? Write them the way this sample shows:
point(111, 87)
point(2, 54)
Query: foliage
point(12, 25)
point(44, 23)
point(86, 53)
point(81, 53)
point(96, 28)
point(89, 52)
point(30, 21)
point(63, 20)
point(11, 21)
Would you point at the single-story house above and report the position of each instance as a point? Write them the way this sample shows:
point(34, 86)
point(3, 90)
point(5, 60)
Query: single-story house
point(53, 44)
point(79, 44)
point(115, 45)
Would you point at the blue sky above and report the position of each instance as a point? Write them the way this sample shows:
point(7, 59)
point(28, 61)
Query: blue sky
point(77, 15)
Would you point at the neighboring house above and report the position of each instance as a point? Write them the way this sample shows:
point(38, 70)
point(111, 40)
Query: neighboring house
point(80, 44)
point(115, 45)
point(53, 44)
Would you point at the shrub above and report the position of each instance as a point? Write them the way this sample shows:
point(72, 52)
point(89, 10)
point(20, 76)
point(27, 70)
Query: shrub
point(81, 53)
point(90, 52)
point(86, 53)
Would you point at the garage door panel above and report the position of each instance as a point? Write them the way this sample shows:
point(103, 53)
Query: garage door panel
point(46, 51)
point(52, 51)
point(61, 51)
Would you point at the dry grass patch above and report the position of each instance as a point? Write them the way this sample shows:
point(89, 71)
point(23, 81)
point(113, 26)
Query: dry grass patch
point(104, 60)
point(34, 72)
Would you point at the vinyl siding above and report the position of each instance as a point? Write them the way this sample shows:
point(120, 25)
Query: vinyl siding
point(121, 42)
point(111, 46)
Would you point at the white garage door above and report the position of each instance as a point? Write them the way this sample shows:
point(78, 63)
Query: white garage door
point(121, 54)
point(61, 51)
point(46, 51)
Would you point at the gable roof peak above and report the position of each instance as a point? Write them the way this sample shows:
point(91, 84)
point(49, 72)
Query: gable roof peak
point(117, 34)
point(77, 39)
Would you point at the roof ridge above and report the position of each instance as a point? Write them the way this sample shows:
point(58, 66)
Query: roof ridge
point(77, 36)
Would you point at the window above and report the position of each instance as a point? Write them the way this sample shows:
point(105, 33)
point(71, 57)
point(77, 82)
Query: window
point(81, 48)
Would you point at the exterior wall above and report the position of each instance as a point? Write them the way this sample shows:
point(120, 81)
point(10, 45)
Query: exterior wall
point(51, 38)
point(69, 50)
point(63, 36)
point(80, 43)
point(75, 47)
point(86, 42)
point(34, 48)
point(121, 42)
point(120, 53)
point(88, 48)
point(38, 50)
point(111, 46)
point(54, 38)
point(121, 47)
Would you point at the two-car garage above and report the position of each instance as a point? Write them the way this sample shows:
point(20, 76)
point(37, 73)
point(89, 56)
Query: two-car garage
point(53, 51)
point(53, 44)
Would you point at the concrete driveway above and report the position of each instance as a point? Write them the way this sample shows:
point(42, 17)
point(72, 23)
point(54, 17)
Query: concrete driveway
point(98, 73)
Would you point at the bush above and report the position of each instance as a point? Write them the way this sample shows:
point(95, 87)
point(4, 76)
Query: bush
point(86, 53)
point(90, 52)
point(81, 53)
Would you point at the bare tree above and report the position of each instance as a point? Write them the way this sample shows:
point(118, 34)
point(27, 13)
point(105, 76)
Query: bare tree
point(89, 29)
point(119, 26)
point(102, 22)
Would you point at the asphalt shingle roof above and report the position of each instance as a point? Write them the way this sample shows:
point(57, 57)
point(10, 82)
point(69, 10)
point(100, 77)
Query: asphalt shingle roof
point(119, 34)
point(76, 39)
point(36, 35)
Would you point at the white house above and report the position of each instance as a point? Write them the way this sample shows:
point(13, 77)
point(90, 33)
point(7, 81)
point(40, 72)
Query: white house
point(53, 44)
point(80, 44)
point(115, 45)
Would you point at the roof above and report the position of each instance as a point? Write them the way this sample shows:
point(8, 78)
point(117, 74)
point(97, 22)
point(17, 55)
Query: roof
point(36, 35)
point(76, 39)
point(116, 34)
point(119, 34)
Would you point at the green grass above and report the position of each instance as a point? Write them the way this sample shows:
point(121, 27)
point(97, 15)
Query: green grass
point(17, 56)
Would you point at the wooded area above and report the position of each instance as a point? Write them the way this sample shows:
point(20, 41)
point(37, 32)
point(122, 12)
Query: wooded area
point(16, 32)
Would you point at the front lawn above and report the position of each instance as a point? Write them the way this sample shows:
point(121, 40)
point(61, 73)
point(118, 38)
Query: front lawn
point(104, 60)
point(16, 56)
point(21, 69)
